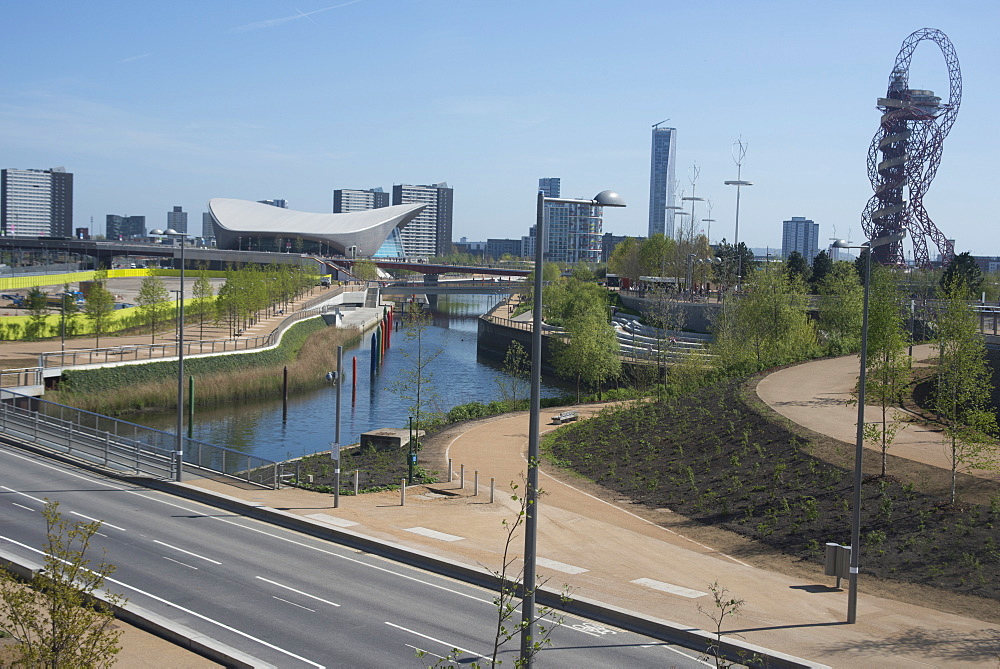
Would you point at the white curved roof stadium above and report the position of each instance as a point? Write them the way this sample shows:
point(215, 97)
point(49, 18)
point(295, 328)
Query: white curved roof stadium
point(364, 230)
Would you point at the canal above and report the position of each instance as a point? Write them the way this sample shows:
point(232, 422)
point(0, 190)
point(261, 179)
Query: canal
point(456, 377)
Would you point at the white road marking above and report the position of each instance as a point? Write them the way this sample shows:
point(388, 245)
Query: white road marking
point(292, 603)
point(26, 508)
point(559, 566)
point(433, 534)
point(103, 523)
point(331, 520)
point(188, 611)
point(430, 638)
point(297, 592)
point(670, 588)
point(18, 492)
point(200, 557)
point(183, 564)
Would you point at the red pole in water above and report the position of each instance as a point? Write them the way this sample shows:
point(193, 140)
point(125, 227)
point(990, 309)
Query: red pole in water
point(354, 378)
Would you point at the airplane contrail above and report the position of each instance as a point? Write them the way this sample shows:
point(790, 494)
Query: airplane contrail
point(273, 23)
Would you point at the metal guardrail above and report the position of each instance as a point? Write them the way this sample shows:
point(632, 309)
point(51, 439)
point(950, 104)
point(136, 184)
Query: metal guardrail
point(124, 446)
point(19, 378)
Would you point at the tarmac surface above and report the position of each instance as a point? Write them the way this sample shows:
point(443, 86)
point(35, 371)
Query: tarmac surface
point(607, 549)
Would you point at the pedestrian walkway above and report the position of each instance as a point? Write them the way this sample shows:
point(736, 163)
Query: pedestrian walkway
point(614, 552)
point(816, 395)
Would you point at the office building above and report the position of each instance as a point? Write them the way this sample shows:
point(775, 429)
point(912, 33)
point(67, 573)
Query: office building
point(36, 203)
point(124, 227)
point(177, 220)
point(346, 200)
point(429, 234)
point(572, 231)
point(802, 235)
point(662, 181)
point(463, 245)
point(498, 248)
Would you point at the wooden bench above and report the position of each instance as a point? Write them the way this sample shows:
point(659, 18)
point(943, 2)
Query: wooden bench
point(565, 417)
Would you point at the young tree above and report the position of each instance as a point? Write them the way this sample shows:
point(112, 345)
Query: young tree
point(766, 327)
point(822, 265)
point(37, 304)
point(888, 366)
point(841, 300)
point(415, 383)
point(365, 269)
point(591, 355)
point(54, 617)
point(797, 267)
point(514, 382)
point(964, 385)
point(964, 267)
point(152, 300)
point(203, 299)
point(68, 309)
point(99, 308)
point(625, 261)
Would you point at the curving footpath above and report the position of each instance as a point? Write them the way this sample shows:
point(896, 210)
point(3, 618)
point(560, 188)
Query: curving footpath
point(607, 552)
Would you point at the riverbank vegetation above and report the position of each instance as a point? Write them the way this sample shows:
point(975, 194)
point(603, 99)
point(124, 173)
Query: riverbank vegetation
point(308, 349)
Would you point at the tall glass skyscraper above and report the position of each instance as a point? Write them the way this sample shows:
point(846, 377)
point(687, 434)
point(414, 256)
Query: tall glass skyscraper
point(661, 181)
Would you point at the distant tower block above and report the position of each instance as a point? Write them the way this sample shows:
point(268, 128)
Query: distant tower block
point(905, 154)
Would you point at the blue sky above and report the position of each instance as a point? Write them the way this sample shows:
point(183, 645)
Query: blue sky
point(153, 105)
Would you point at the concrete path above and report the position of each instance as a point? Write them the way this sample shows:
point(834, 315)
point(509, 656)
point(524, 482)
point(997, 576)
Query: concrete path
point(816, 394)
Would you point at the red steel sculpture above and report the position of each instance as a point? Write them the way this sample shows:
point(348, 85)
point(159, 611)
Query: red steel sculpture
point(905, 154)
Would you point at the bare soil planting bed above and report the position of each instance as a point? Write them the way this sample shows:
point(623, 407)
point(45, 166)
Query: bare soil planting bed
point(722, 459)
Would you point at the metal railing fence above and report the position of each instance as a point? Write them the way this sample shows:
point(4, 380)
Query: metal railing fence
point(122, 445)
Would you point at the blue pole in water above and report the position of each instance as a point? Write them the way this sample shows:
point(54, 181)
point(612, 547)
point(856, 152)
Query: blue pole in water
point(374, 355)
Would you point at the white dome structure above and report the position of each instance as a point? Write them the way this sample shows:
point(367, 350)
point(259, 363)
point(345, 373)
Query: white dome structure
point(362, 231)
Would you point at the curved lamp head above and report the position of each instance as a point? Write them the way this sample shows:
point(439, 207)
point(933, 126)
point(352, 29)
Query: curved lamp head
point(609, 198)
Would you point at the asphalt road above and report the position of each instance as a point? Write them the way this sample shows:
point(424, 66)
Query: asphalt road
point(286, 598)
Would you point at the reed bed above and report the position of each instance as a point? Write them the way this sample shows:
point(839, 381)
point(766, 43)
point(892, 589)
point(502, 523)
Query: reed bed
point(308, 362)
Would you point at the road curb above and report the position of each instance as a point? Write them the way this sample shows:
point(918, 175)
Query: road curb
point(154, 623)
point(734, 650)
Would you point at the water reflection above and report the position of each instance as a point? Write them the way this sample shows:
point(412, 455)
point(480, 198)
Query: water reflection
point(457, 378)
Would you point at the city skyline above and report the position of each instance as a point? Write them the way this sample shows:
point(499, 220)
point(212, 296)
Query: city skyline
point(145, 127)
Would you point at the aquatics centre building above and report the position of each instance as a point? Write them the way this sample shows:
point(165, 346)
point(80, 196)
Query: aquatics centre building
point(247, 225)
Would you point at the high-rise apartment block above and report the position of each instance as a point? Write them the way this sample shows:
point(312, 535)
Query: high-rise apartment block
point(661, 181)
point(802, 235)
point(36, 203)
point(124, 227)
point(177, 220)
point(572, 231)
point(429, 234)
point(346, 200)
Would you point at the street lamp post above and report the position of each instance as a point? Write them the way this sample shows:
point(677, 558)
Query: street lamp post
point(179, 449)
point(852, 592)
point(605, 198)
point(739, 183)
point(692, 200)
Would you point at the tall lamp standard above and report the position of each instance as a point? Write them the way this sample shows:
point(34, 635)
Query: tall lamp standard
point(852, 592)
point(606, 198)
point(179, 449)
point(692, 200)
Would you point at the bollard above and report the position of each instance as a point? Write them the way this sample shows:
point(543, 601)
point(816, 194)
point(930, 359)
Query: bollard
point(493, 484)
point(451, 473)
point(461, 469)
point(356, 482)
point(402, 492)
point(475, 486)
